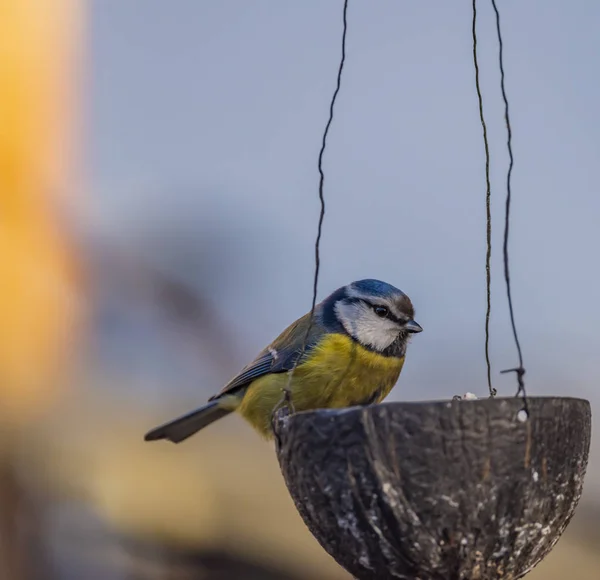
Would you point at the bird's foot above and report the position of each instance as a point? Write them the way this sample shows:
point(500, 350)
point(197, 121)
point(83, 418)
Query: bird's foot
point(285, 401)
point(285, 405)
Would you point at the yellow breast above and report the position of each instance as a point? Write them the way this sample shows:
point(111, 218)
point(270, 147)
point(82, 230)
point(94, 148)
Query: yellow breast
point(338, 373)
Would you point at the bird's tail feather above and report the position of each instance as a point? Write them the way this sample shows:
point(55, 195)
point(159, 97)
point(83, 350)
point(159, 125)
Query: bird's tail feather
point(183, 427)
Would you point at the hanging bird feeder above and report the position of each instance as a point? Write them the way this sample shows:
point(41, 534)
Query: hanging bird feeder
point(450, 490)
point(437, 490)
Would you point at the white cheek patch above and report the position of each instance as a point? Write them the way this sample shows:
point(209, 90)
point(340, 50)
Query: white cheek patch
point(365, 326)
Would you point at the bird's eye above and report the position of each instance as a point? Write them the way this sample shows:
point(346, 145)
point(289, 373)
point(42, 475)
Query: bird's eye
point(381, 311)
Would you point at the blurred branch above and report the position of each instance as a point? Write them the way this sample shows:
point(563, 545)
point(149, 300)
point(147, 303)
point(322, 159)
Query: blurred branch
point(191, 311)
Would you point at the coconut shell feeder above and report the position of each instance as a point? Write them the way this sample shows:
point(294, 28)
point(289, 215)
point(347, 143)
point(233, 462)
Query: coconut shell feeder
point(445, 490)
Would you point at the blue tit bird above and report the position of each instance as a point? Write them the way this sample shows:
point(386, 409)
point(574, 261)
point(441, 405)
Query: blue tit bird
point(353, 355)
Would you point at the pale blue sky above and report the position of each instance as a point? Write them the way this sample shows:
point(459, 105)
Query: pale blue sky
point(200, 107)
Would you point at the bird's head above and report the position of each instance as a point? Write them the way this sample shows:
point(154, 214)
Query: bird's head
point(375, 314)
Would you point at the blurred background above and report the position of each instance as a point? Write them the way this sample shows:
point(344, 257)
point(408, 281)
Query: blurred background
point(158, 207)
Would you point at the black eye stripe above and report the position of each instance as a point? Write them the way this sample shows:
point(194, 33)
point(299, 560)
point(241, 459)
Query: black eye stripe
point(395, 318)
point(389, 315)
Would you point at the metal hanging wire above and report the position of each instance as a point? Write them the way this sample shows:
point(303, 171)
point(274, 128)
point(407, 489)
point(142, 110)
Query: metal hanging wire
point(488, 208)
point(520, 369)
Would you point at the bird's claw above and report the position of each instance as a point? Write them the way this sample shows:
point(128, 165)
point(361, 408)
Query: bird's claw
point(285, 401)
point(285, 404)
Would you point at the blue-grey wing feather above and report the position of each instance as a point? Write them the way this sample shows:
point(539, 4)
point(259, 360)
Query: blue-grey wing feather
point(280, 356)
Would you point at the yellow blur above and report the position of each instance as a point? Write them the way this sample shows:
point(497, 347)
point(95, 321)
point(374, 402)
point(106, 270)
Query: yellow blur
point(38, 276)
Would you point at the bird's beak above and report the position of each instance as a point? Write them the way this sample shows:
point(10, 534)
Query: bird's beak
point(412, 326)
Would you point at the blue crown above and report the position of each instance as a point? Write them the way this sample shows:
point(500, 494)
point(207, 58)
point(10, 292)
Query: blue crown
point(376, 287)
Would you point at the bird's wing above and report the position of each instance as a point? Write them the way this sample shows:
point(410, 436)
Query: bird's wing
point(280, 356)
